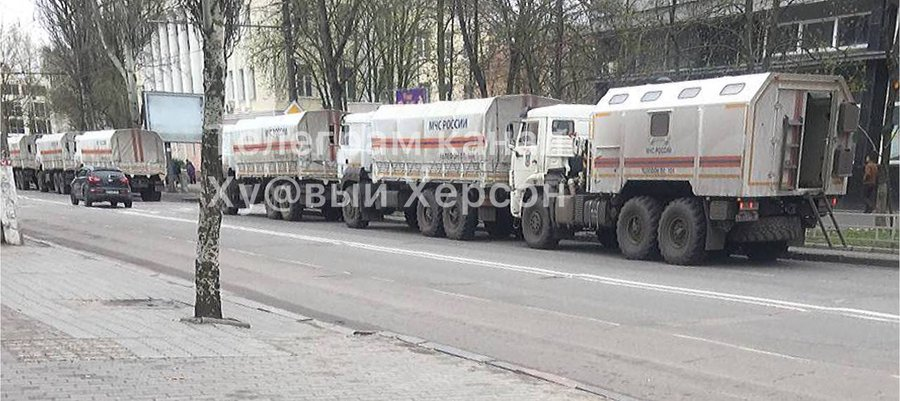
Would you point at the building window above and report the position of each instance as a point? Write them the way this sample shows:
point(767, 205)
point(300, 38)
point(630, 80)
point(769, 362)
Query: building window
point(732, 89)
point(689, 93)
point(651, 96)
point(251, 85)
point(817, 35)
point(40, 109)
point(305, 85)
point(229, 86)
point(853, 30)
point(16, 125)
point(239, 86)
point(659, 124)
point(618, 99)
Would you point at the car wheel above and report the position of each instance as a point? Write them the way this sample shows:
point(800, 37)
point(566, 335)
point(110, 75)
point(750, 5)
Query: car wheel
point(128, 204)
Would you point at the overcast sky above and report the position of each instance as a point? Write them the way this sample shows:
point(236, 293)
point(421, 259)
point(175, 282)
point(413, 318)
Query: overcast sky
point(24, 13)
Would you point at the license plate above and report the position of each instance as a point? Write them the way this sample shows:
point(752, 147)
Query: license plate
point(112, 192)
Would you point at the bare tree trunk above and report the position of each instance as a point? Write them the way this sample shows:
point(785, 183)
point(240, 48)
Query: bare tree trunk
point(557, 62)
point(290, 66)
point(471, 44)
point(441, 51)
point(208, 302)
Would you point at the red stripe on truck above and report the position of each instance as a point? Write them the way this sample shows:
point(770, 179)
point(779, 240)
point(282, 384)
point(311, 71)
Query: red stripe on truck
point(677, 162)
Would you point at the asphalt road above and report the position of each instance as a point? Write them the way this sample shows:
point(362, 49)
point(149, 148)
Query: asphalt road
point(728, 330)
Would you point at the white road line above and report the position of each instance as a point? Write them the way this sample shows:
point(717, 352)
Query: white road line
point(529, 307)
point(458, 295)
point(722, 296)
point(259, 255)
point(741, 347)
point(386, 280)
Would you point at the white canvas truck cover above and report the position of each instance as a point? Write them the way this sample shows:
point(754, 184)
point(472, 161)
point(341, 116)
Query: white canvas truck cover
point(302, 145)
point(461, 140)
point(23, 151)
point(134, 151)
point(57, 151)
point(728, 136)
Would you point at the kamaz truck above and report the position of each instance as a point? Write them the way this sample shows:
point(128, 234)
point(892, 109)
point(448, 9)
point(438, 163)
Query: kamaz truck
point(417, 158)
point(56, 155)
point(738, 164)
point(24, 160)
point(140, 154)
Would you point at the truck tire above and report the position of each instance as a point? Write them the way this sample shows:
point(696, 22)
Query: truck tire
point(352, 210)
point(765, 251)
point(292, 208)
point(230, 210)
point(73, 199)
point(767, 229)
point(410, 215)
point(502, 227)
point(459, 225)
point(537, 228)
point(637, 228)
point(682, 232)
point(43, 184)
point(429, 216)
point(58, 183)
point(607, 237)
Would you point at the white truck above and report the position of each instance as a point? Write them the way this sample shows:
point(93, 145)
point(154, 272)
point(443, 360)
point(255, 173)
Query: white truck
point(140, 154)
point(56, 155)
point(734, 164)
point(291, 158)
point(398, 155)
point(23, 157)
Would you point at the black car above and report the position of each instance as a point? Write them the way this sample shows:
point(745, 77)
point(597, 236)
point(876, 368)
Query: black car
point(100, 184)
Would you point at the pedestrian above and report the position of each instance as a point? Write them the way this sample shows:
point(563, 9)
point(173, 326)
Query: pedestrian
point(191, 172)
point(870, 180)
point(176, 175)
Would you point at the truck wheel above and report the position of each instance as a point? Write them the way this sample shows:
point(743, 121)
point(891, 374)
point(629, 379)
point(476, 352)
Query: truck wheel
point(230, 210)
point(537, 227)
point(682, 232)
point(765, 251)
point(503, 226)
point(57, 183)
point(43, 185)
point(636, 229)
point(429, 216)
point(128, 204)
point(352, 210)
point(73, 199)
point(607, 237)
point(410, 215)
point(291, 209)
point(457, 224)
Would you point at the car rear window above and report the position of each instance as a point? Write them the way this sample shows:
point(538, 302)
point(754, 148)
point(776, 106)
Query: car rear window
point(107, 174)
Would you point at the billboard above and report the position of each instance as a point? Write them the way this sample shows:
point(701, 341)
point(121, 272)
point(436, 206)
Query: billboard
point(176, 117)
point(411, 96)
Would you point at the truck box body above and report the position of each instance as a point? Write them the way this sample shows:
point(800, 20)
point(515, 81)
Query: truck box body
point(57, 151)
point(448, 141)
point(761, 135)
point(134, 151)
point(299, 145)
point(23, 151)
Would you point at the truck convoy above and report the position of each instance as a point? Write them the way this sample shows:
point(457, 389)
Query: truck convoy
point(23, 157)
point(291, 157)
point(56, 155)
point(140, 154)
point(678, 170)
point(406, 153)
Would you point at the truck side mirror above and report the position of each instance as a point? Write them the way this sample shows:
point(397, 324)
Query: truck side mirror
point(848, 117)
point(512, 148)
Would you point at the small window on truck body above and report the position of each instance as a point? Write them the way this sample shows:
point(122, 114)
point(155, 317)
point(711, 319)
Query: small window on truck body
point(563, 127)
point(689, 93)
point(659, 123)
point(618, 99)
point(345, 135)
point(732, 89)
point(651, 96)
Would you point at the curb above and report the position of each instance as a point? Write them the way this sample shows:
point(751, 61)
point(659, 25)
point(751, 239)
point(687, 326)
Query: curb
point(837, 257)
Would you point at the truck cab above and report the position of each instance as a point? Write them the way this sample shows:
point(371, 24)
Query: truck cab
point(546, 149)
point(355, 151)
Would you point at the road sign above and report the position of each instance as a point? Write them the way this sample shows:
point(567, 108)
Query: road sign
point(293, 108)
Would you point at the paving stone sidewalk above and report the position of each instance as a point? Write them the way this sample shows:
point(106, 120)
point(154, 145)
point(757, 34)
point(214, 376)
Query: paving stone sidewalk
point(78, 326)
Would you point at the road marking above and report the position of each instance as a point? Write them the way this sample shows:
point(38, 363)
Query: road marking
point(386, 280)
point(741, 347)
point(722, 296)
point(534, 308)
point(259, 255)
